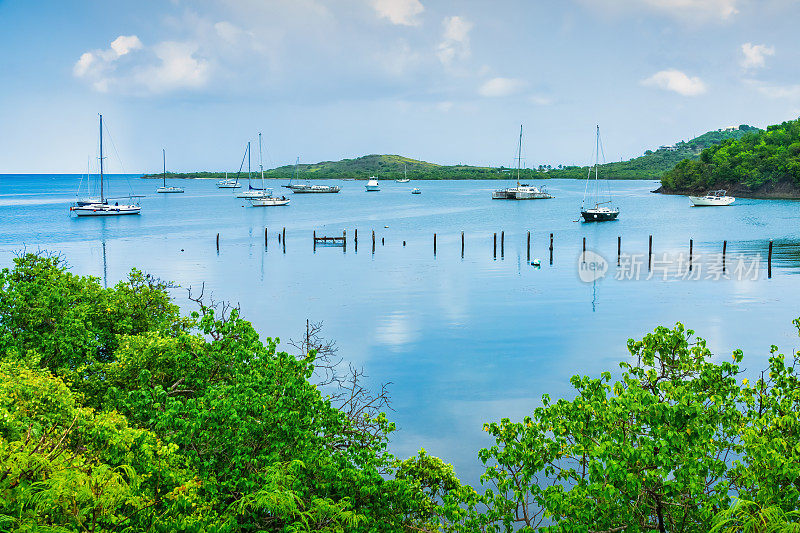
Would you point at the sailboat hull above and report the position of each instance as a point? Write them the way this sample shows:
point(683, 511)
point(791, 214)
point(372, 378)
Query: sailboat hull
point(591, 215)
point(105, 210)
point(165, 190)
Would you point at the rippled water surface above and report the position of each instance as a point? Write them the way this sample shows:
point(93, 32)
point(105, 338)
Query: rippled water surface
point(463, 340)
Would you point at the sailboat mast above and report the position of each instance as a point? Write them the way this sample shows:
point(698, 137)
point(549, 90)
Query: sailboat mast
point(248, 163)
point(260, 161)
point(164, 159)
point(102, 198)
point(596, 163)
point(519, 154)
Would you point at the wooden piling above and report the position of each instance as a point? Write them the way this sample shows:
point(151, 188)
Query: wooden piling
point(619, 247)
point(724, 252)
point(266, 234)
point(769, 260)
point(373, 241)
point(404, 243)
point(355, 237)
point(584, 245)
point(462, 244)
point(218, 243)
point(382, 243)
point(528, 255)
point(284, 236)
point(691, 246)
point(434, 244)
point(551, 248)
point(494, 247)
point(649, 252)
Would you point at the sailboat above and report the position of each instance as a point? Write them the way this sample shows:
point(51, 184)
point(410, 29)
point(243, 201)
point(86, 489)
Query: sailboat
point(404, 179)
point(602, 210)
point(99, 206)
point(266, 199)
point(164, 188)
point(254, 192)
point(228, 183)
point(522, 191)
point(304, 188)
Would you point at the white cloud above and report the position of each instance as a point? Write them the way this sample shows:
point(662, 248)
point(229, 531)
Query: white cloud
point(676, 81)
point(163, 67)
point(691, 10)
point(178, 68)
point(499, 87)
point(754, 55)
point(402, 12)
point(538, 99)
point(124, 44)
point(455, 39)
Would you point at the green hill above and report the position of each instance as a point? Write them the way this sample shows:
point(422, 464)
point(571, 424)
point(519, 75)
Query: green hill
point(760, 164)
point(652, 165)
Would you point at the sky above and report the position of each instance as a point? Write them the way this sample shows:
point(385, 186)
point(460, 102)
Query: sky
point(446, 82)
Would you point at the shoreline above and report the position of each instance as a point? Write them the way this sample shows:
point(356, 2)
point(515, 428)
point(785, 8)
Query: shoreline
point(778, 193)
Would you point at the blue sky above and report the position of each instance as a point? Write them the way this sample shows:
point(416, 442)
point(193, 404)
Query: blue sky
point(446, 82)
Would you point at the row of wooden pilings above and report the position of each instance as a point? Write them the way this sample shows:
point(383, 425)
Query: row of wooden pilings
point(343, 241)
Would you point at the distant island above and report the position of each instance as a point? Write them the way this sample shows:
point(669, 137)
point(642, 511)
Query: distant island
point(652, 165)
point(761, 164)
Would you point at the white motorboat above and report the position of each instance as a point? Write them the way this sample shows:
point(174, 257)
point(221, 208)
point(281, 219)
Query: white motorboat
point(164, 188)
point(712, 198)
point(372, 184)
point(269, 201)
point(228, 183)
point(600, 212)
point(522, 191)
point(416, 190)
point(95, 207)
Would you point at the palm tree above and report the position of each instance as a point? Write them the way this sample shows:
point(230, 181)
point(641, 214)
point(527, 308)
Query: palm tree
point(749, 517)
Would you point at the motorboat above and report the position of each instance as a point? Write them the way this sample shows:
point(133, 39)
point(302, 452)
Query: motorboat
point(712, 198)
point(372, 184)
point(416, 190)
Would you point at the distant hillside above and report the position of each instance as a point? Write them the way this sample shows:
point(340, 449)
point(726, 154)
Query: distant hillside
point(651, 165)
point(762, 164)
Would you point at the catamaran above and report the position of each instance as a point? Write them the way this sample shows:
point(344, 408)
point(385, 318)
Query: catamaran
point(522, 191)
point(712, 198)
point(602, 211)
point(306, 188)
point(164, 188)
point(265, 199)
point(94, 207)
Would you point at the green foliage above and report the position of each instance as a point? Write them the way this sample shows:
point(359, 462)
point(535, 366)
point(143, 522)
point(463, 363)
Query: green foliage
point(749, 517)
point(758, 160)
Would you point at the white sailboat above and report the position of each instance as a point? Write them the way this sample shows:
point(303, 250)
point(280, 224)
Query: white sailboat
point(164, 188)
point(522, 191)
point(372, 184)
point(228, 183)
point(95, 207)
point(712, 198)
point(253, 192)
point(404, 179)
point(307, 188)
point(265, 199)
point(602, 210)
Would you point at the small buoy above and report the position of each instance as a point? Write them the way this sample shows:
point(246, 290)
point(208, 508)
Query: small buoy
point(386, 226)
point(181, 249)
point(536, 263)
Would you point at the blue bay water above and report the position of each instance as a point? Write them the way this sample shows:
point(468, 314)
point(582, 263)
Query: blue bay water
point(462, 340)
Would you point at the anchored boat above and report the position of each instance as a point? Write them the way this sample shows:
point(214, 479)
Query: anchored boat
point(602, 210)
point(164, 188)
point(712, 198)
point(522, 191)
point(307, 188)
point(97, 207)
point(372, 184)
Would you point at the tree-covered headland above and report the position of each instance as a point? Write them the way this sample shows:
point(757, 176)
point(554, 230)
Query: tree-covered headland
point(763, 163)
point(120, 413)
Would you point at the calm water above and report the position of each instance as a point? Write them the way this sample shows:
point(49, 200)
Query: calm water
point(463, 340)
